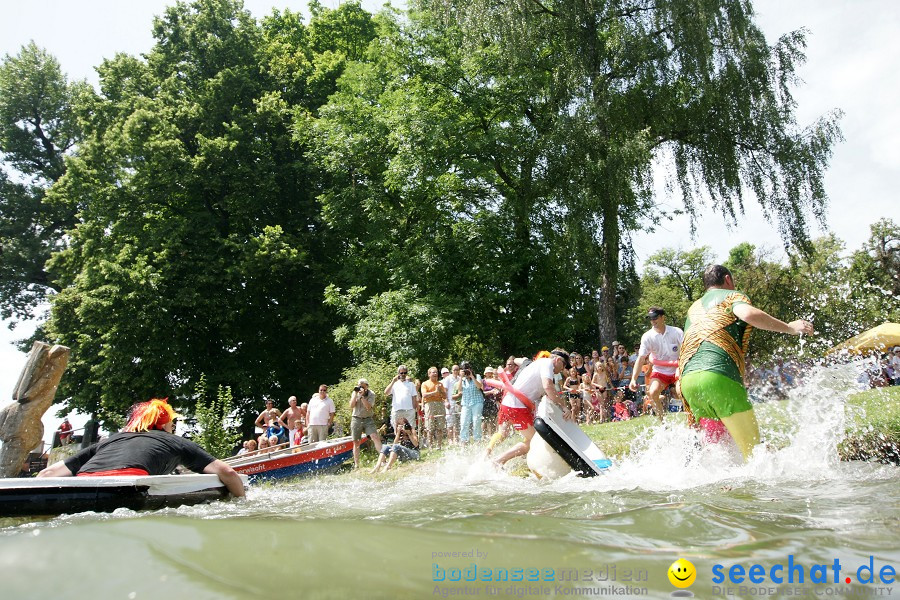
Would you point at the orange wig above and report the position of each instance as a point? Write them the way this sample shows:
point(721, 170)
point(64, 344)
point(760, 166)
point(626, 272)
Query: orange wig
point(152, 414)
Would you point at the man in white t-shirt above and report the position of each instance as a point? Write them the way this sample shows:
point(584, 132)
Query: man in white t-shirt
point(532, 383)
point(320, 415)
point(404, 397)
point(664, 343)
point(450, 379)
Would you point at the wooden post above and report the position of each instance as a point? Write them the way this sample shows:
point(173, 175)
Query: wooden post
point(21, 429)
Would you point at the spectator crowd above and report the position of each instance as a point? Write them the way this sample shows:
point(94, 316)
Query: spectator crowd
point(452, 405)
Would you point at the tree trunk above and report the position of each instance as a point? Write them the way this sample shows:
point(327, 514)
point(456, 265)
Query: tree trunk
point(21, 429)
point(606, 311)
point(606, 294)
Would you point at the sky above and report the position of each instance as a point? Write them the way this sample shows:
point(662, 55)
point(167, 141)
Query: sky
point(853, 51)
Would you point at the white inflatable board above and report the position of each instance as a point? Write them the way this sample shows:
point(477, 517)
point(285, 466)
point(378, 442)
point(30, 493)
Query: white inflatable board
point(572, 436)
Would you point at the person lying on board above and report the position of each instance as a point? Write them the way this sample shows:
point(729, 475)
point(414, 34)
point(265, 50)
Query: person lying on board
point(146, 446)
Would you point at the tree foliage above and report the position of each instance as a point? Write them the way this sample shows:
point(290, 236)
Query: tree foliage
point(213, 411)
point(266, 202)
point(38, 128)
point(634, 81)
point(200, 248)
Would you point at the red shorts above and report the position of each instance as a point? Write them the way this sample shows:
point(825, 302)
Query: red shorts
point(666, 379)
point(521, 418)
point(115, 473)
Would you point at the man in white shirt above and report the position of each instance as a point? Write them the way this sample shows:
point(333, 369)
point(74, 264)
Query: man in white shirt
point(404, 397)
point(450, 380)
point(532, 382)
point(663, 342)
point(320, 415)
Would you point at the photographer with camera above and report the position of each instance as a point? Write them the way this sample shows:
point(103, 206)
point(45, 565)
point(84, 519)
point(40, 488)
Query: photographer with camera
point(451, 378)
point(405, 447)
point(362, 418)
point(472, 391)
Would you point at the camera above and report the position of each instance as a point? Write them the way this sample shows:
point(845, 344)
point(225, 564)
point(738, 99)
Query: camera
point(357, 388)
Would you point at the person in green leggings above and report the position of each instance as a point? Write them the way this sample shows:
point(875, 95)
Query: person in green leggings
point(711, 364)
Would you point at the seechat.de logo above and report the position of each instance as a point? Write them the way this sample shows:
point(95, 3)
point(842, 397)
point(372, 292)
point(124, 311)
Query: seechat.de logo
point(795, 572)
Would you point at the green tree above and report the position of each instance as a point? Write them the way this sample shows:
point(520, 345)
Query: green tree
point(630, 83)
point(878, 262)
point(38, 128)
point(672, 279)
point(681, 269)
point(214, 413)
point(773, 288)
point(438, 180)
point(395, 326)
point(200, 249)
point(845, 295)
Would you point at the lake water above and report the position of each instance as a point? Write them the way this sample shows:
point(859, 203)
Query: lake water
point(610, 536)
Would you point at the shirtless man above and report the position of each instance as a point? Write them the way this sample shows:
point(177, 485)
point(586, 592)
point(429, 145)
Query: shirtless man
point(291, 415)
point(266, 415)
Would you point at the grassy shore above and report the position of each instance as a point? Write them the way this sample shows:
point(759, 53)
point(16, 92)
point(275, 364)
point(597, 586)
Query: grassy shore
point(872, 432)
point(873, 426)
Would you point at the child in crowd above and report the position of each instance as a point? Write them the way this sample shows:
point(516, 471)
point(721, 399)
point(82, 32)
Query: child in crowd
point(620, 410)
point(297, 433)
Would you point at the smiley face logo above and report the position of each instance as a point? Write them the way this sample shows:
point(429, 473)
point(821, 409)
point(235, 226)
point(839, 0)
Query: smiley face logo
point(682, 573)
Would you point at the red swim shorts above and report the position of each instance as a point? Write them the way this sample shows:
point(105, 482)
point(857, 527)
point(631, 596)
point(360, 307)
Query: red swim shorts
point(521, 418)
point(666, 379)
point(116, 473)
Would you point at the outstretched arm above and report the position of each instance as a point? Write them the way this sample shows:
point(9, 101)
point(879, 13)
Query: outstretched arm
point(763, 320)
